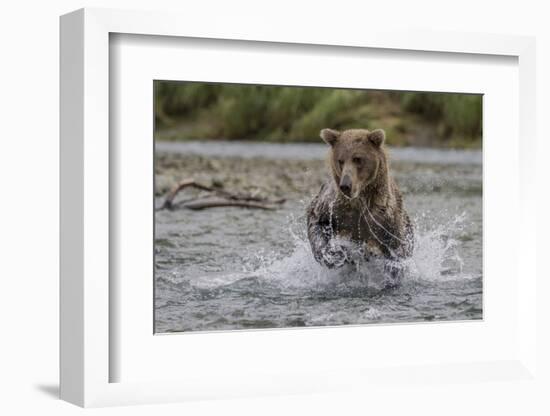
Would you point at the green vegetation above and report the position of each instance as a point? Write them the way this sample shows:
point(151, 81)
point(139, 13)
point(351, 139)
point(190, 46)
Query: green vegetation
point(194, 111)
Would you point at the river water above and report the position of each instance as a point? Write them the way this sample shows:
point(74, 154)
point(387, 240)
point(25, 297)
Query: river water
point(233, 268)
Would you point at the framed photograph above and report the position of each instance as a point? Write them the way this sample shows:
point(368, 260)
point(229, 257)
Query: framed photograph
point(282, 224)
point(281, 213)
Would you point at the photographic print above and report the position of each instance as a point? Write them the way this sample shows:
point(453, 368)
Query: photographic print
point(289, 206)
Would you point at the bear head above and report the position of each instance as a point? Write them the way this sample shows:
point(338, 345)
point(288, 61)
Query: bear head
point(356, 158)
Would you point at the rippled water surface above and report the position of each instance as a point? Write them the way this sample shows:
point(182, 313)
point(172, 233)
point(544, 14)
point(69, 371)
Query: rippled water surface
point(232, 268)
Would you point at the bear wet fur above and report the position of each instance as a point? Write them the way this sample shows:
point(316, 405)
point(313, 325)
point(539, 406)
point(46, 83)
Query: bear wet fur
point(360, 203)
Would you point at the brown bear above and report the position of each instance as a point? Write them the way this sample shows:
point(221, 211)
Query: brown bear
point(360, 204)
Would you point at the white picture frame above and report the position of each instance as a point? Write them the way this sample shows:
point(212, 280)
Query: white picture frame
point(87, 302)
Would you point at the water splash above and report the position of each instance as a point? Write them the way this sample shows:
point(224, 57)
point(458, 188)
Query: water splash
point(435, 258)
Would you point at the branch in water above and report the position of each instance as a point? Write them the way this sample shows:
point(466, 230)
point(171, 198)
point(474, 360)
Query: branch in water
point(220, 202)
point(225, 199)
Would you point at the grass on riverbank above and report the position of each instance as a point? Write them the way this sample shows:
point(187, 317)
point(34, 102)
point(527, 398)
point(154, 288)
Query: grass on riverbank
point(195, 111)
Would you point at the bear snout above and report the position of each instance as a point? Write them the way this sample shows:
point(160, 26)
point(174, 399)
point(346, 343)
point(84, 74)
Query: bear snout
point(345, 185)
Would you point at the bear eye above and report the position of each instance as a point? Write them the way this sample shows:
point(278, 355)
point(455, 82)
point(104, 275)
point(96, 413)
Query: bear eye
point(357, 160)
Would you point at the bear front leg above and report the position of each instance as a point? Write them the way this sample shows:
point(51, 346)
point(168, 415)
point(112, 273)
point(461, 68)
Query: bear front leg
point(325, 249)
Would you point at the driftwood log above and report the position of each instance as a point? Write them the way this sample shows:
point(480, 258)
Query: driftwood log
point(216, 198)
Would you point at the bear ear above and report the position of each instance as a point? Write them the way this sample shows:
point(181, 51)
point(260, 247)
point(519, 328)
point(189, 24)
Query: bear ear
point(377, 137)
point(330, 136)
